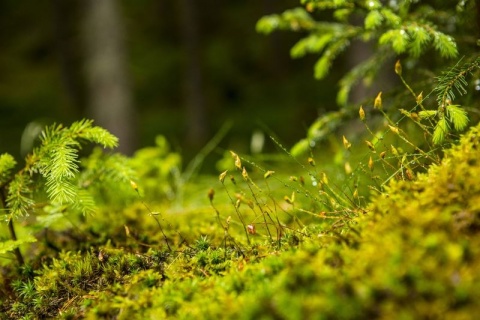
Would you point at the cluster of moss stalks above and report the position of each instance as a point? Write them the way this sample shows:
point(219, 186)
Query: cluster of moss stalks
point(414, 254)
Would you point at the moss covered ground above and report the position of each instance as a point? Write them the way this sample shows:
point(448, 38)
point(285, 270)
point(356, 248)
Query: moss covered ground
point(411, 253)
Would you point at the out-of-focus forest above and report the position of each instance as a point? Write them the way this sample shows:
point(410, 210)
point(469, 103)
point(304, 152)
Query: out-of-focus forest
point(377, 160)
point(143, 68)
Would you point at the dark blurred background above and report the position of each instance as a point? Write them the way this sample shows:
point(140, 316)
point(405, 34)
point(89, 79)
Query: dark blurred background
point(179, 68)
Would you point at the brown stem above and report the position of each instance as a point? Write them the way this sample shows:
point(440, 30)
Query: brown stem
point(11, 229)
point(13, 235)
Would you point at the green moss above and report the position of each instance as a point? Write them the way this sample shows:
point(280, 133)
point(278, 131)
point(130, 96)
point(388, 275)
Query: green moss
point(416, 257)
point(413, 254)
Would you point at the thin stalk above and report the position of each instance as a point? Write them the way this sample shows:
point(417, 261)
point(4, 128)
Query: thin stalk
point(261, 210)
point(13, 236)
point(238, 213)
point(155, 218)
point(11, 229)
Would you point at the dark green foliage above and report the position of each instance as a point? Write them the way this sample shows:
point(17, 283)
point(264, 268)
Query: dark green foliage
point(404, 30)
point(397, 28)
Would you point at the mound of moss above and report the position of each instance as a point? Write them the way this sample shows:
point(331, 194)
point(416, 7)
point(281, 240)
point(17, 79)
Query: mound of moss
point(413, 254)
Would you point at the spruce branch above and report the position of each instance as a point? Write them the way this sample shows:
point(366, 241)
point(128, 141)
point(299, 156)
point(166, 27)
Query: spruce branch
point(441, 130)
point(397, 28)
point(457, 116)
point(7, 163)
point(19, 201)
point(450, 83)
point(85, 130)
point(454, 80)
point(57, 161)
point(58, 157)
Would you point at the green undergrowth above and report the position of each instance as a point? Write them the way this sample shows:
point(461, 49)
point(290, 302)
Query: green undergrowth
point(412, 253)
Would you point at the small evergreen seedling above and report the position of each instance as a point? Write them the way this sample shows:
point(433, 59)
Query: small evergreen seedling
point(51, 168)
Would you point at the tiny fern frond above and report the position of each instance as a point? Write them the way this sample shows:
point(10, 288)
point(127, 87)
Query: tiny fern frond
point(10, 245)
point(427, 114)
point(62, 160)
point(454, 80)
point(61, 191)
point(78, 127)
point(7, 163)
point(391, 18)
point(294, 19)
point(373, 20)
point(397, 38)
point(445, 45)
point(84, 202)
point(19, 200)
point(85, 130)
point(420, 38)
point(322, 66)
point(312, 44)
point(58, 157)
point(457, 116)
point(50, 133)
point(100, 136)
point(113, 168)
point(441, 130)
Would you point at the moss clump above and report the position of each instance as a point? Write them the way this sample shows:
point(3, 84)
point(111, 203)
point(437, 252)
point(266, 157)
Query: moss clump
point(417, 255)
point(67, 284)
point(413, 255)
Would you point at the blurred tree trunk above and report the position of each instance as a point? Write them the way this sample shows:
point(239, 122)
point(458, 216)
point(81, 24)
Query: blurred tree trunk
point(477, 4)
point(197, 124)
point(277, 61)
point(65, 22)
point(360, 51)
point(110, 103)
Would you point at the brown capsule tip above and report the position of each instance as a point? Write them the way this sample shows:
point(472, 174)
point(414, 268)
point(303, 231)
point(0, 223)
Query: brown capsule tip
point(346, 143)
point(211, 194)
point(370, 164)
point(420, 98)
point(394, 129)
point(222, 176)
point(361, 113)
point(244, 174)
point(370, 145)
point(134, 185)
point(378, 101)
point(355, 194)
point(398, 68)
point(268, 174)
